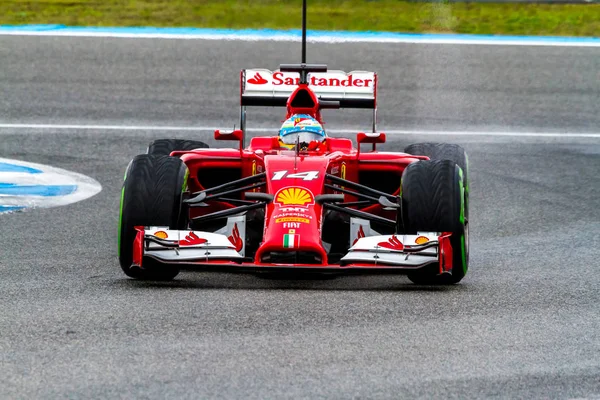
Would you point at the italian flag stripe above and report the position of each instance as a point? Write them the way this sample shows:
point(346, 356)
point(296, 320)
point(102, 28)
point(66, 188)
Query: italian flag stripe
point(291, 241)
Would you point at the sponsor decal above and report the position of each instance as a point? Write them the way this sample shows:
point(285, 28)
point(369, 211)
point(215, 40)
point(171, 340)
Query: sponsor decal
point(306, 176)
point(342, 171)
point(393, 243)
point(292, 219)
point(254, 173)
point(257, 79)
point(293, 211)
point(297, 120)
point(299, 215)
point(161, 234)
point(192, 239)
point(359, 235)
point(279, 79)
point(235, 239)
point(294, 196)
point(421, 240)
point(291, 241)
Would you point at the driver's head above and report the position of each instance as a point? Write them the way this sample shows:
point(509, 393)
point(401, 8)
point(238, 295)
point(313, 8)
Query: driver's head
point(302, 129)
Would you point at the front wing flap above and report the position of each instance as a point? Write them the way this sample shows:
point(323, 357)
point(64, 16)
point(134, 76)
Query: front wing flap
point(408, 252)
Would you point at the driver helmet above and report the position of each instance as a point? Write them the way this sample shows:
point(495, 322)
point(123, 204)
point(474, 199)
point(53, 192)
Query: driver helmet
point(302, 129)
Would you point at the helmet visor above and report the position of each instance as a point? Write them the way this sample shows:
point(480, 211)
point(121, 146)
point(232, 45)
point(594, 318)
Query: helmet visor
point(301, 137)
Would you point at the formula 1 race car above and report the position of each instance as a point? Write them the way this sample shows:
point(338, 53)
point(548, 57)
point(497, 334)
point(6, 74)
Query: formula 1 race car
point(324, 207)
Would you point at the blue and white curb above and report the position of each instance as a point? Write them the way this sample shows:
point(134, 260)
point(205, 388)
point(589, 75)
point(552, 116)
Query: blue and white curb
point(294, 35)
point(29, 185)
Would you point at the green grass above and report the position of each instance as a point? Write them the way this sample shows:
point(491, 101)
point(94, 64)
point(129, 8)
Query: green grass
point(350, 15)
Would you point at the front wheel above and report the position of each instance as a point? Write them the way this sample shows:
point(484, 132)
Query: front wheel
point(433, 201)
point(151, 196)
point(164, 147)
point(445, 151)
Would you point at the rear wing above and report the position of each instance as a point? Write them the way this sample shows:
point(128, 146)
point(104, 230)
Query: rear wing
point(262, 87)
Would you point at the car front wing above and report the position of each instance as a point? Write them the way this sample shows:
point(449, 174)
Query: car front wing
point(198, 250)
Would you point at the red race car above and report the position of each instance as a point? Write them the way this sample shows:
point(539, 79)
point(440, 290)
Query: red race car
point(318, 205)
point(299, 200)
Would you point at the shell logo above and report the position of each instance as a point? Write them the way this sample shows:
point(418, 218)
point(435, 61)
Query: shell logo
point(294, 196)
point(161, 234)
point(422, 240)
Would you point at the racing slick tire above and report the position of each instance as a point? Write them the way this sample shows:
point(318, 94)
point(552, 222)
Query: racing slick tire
point(445, 151)
point(164, 147)
point(433, 201)
point(152, 195)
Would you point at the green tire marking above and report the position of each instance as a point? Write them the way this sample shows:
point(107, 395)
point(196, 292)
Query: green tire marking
point(121, 210)
point(462, 196)
point(120, 222)
point(462, 221)
point(127, 170)
point(185, 180)
point(467, 172)
point(464, 254)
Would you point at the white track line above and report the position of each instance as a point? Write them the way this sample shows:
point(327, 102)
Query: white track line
point(321, 38)
point(108, 127)
point(74, 127)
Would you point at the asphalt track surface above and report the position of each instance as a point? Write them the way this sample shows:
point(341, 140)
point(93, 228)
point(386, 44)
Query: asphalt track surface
point(524, 323)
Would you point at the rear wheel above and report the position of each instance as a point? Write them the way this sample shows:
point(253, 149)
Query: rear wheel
point(433, 201)
point(151, 196)
point(164, 147)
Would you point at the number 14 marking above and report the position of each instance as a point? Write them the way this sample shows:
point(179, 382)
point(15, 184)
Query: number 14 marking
point(307, 176)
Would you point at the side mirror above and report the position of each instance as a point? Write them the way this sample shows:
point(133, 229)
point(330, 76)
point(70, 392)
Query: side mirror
point(237, 134)
point(373, 138)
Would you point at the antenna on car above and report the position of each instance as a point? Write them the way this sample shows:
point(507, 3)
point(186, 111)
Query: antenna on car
point(303, 68)
point(297, 152)
point(303, 71)
point(303, 31)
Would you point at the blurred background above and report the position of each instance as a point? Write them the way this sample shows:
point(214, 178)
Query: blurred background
point(508, 17)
